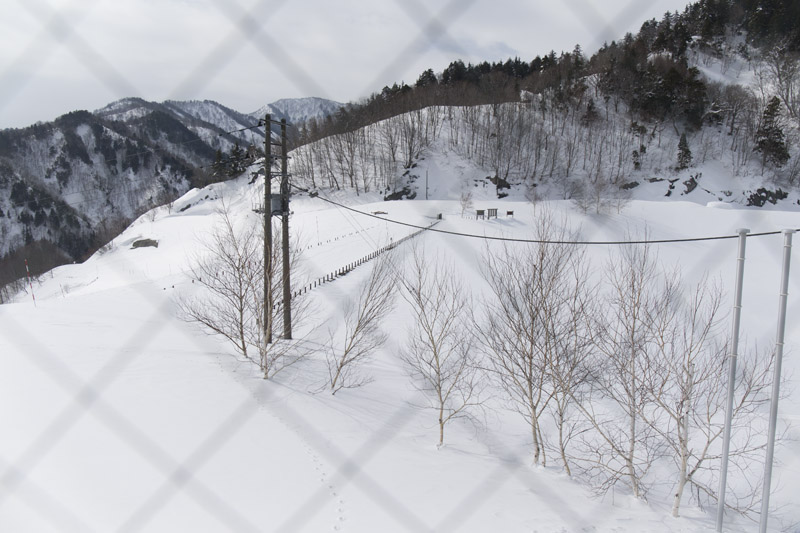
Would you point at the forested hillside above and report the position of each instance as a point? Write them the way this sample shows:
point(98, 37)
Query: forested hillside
point(651, 71)
point(719, 82)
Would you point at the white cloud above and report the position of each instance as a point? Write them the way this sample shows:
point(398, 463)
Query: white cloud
point(83, 54)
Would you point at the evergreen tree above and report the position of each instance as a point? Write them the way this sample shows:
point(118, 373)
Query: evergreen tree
point(591, 114)
point(455, 72)
point(578, 61)
point(236, 161)
point(427, 78)
point(218, 166)
point(770, 141)
point(684, 154)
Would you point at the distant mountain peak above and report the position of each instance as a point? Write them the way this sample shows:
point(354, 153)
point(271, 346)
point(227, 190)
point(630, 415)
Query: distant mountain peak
point(298, 110)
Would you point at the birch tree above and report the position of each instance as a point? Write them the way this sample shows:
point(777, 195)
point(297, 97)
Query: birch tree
point(441, 348)
point(362, 333)
point(622, 446)
point(570, 367)
point(524, 315)
point(229, 301)
point(688, 390)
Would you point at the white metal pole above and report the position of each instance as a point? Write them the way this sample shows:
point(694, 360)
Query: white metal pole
point(726, 435)
point(776, 379)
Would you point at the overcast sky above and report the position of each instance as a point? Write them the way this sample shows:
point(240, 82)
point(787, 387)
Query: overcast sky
point(61, 55)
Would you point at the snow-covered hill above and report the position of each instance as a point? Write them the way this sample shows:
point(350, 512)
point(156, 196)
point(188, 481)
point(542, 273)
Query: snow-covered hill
point(120, 416)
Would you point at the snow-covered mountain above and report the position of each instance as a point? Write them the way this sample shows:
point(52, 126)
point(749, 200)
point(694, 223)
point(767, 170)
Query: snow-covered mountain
point(298, 110)
point(211, 121)
point(167, 399)
point(75, 182)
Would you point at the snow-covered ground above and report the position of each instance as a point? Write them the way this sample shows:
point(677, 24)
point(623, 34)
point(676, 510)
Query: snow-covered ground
point(116, 415)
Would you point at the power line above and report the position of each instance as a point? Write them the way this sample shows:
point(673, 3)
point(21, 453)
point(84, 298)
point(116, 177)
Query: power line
point(538, 241)
point(253, 160)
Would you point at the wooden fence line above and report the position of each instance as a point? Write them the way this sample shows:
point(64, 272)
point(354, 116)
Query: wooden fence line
point(355, 264)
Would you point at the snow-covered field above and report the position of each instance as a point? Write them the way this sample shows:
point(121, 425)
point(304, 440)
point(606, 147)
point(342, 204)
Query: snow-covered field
point(118, 416)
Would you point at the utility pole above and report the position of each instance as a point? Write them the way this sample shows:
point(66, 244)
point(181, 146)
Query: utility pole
point(287, 287)
point(269, 304)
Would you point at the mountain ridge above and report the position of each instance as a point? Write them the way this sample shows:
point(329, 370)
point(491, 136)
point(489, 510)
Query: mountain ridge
point(78, 180)
point(133, 154)
point(298, 110)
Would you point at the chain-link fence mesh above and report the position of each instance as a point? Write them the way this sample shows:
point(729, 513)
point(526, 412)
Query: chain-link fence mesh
point(82, 394)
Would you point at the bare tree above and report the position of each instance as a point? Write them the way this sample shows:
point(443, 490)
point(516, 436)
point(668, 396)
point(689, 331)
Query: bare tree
point(783, 71)
point(569, 368)
point(411, 137)
point(362, 334)
point(227, 270)
point(679, 378)
point(465, 199)
point(522, 320)
point(440, 353)
point(230, 303)
point(688, 391)
point(622, 446)
point(735, 102)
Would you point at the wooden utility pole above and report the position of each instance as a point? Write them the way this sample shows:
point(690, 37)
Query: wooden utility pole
point(269, 304)
point(287, 286)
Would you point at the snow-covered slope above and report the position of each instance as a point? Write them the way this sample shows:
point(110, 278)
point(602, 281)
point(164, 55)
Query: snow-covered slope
point(298, 110)
point(119, 416)
point(211, 112)
point(126, 109)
